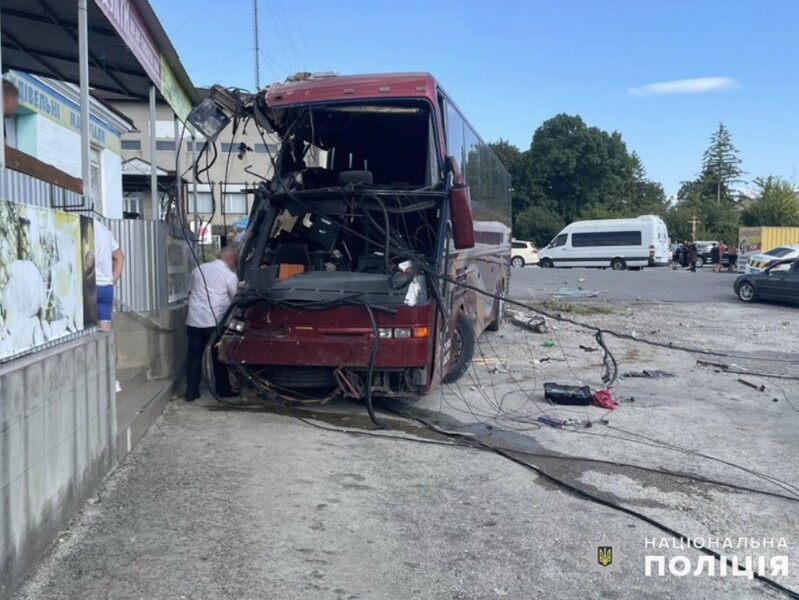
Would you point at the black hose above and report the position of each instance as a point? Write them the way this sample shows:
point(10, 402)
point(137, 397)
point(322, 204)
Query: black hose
point(371, 364)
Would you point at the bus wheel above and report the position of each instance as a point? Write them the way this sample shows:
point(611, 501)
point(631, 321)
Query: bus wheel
point(462, 348)
point(546, 263)
point(498, 312)
point(618, 264)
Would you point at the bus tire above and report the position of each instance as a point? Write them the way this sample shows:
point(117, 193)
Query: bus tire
point(463, 348)
point(546, 263)
point(618, 264)
point(499, 311)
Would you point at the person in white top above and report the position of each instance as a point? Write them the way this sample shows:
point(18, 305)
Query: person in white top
point(212, 287)
point(108, 264)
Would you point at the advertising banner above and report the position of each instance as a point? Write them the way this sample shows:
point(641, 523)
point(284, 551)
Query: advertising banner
point(178, 267)
point(750, 240)
point(130, 26)
point(47, 280)
point(44, 101)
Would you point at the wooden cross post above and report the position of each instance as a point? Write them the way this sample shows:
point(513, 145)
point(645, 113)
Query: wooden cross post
point(694, 222)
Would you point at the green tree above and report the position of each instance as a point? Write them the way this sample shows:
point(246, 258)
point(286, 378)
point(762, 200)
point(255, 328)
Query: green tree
point(777, 204)
point(515, 161)
point(538, 225)
point(721, 163)
point(697, 198)
point(575, 168)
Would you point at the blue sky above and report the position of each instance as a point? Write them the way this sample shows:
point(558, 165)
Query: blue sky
point(511, 64)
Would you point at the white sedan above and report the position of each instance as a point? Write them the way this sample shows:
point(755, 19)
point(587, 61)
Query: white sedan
point(759, 262)
point(523, 253)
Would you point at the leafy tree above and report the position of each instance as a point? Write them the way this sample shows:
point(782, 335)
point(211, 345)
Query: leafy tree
point(717, 221)
point(537, 224)
point(575, 168)
point(776, 205)
point(721, 163)
point(515, 161)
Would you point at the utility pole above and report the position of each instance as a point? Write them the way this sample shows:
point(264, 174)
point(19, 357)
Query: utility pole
point(256, 45)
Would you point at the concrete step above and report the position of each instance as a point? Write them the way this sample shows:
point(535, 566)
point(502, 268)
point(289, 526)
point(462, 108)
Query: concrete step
point(139, 404)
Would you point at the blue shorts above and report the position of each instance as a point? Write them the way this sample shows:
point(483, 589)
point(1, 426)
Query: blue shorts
point(105, 298)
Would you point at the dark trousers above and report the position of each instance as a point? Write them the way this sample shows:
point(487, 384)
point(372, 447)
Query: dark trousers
point(198, 340)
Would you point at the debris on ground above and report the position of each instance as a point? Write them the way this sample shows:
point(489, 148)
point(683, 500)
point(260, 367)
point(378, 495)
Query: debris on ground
point(646, 374)
point(571, 395)
point(588, 348)
point(759, 388)
point(575, 292)
point(604, 399)
point(551, 421)
point(548, 343)
point(535, 323)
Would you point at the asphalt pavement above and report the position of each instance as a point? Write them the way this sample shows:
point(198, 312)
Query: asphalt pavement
point(218, 504)
point(660, 284)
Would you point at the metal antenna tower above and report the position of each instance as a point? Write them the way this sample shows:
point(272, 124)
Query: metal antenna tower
point(256, 44)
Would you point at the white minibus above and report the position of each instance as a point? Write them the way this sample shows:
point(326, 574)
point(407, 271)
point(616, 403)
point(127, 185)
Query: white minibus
point(616, 243)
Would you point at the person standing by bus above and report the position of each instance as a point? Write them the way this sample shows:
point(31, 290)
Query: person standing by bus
point(715, 257)
point(693, 256)
point(212, 287)
point(732, 253)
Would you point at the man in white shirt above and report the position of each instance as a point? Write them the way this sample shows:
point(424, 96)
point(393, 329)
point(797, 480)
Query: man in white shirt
point(108, 263)
point(212, 287)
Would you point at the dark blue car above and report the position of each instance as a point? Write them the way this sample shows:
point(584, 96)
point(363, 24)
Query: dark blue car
point(770, 284)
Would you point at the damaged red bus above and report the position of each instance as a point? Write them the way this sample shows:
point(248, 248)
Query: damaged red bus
point(382, 197)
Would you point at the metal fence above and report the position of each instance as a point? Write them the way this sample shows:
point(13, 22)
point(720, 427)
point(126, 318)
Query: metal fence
point(23, 188)
point(149, 281)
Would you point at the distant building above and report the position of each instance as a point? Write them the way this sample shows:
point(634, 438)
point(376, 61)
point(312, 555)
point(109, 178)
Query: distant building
point(47, 127)
point(221, 199)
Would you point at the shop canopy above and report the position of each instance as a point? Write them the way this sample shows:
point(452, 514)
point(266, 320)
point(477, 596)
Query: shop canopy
point(128, 48)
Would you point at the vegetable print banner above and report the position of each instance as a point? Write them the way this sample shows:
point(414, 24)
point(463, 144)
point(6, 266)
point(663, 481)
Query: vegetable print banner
point(47, 280)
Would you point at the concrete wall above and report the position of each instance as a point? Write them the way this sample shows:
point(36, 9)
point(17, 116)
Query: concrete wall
point(57, 442)
point(154, 342)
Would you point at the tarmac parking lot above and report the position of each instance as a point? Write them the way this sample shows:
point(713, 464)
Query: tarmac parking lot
point(658, 284)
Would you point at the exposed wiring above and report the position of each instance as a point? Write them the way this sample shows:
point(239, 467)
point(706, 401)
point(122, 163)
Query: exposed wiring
point(585, 495)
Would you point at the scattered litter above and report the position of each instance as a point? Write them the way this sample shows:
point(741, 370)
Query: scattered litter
point(717, 365)
point(483, 360)
point(548, 343)
point(551, 421)
point(759, 388)
point(646, 374)
point(571, 395)
point(588, 348)
point(575, 292)
point(500, 591)
point(604, 399)
point(775, 399)
point(535, 324)
point(581, 280)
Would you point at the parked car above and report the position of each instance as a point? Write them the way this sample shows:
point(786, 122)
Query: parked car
point(771, 284)
point(760, 262)
point(523, 253)
point(703, 256)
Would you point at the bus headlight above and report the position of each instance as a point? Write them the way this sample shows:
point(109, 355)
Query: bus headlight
point(237, 325)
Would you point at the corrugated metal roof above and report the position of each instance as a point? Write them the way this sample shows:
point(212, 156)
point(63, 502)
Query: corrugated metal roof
point(41, 37)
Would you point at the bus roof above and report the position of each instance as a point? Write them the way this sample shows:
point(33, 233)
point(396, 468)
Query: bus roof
point(349, 87)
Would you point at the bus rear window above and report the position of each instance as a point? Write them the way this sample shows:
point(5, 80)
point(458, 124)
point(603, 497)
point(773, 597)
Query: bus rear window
point(606, 238)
